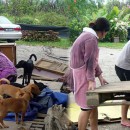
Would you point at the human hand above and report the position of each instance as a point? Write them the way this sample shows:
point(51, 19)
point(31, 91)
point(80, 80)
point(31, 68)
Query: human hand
point(91, 85)
point(102, 80)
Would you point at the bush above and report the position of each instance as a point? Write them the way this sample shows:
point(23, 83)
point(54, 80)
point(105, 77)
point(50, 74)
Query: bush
point(52, 18)
point(26, 20)
point(119, 29)
point(76, 27)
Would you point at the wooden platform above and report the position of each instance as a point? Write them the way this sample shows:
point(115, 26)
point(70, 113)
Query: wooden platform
point(110, 94)
point(37, 124)
point(48, 69)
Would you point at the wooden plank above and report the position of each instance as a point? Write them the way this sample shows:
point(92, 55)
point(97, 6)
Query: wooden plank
point(41, 115)
point(43, 78)
point(45, 74)
point(36, 122)
point(52, 66)
point(121, 86)
point(113, 91)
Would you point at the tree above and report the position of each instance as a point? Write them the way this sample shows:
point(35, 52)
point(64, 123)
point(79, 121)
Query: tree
point(18, 8)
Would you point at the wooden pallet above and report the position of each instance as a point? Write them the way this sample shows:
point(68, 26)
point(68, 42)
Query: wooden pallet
point(51, 66)
point(110, 94)
point(38, 124)
point(48, 69)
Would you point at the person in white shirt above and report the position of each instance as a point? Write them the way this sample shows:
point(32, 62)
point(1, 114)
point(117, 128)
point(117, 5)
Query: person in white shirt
point(122, 69)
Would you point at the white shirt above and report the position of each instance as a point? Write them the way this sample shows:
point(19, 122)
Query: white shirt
point(124, 57)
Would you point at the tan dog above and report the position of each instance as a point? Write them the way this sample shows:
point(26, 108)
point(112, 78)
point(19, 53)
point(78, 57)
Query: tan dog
point(14, 91)
point(11, 90)
point(33, 88)
point(17, 105)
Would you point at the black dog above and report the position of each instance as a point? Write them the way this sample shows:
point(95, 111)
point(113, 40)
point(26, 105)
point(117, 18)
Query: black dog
point(40, 85)
point(28, 68)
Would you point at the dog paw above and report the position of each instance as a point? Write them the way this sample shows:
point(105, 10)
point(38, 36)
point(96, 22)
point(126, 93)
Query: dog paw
point(17, 122)
point(21, 128)
point(5, 126)
point(22, 123)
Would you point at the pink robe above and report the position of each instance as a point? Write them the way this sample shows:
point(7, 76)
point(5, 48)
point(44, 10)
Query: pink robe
point(84, 65)
point(7, 68)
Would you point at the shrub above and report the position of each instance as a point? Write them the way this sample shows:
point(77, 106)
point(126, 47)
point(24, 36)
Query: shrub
point(118, 29)
point(76, 28)
point(52, 18)
point(26, 20)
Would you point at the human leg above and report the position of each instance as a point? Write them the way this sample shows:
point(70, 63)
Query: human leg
point(94, 119)
point(83, 119)
point(124, 75)
point(124, 110)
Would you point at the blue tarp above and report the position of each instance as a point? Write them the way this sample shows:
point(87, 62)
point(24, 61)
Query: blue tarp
point(41, 103)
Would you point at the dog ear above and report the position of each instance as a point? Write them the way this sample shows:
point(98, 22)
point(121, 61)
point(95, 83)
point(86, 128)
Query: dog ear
point(20, 94)
point(31, 95)
point(4, 80)
point(35, 81)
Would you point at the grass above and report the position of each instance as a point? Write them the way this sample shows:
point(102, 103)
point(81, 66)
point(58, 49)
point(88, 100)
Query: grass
point(65, 43)
point(112, 45)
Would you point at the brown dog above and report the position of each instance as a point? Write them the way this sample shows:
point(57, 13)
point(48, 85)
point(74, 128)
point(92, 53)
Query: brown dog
point(17, 105)
point(14, 91)
point(32, 88)
point(10, 90)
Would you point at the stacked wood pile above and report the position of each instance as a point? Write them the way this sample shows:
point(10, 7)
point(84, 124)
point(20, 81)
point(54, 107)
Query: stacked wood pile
point(31, 35)
point(57, 119)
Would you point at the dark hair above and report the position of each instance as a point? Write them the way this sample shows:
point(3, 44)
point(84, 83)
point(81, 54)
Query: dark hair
point(101, 24)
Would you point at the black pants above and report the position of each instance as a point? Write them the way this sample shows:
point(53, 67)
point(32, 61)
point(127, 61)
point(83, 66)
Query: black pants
point(124, 75)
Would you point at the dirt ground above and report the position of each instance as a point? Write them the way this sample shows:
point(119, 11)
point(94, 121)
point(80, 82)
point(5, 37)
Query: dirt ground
point(107, 62)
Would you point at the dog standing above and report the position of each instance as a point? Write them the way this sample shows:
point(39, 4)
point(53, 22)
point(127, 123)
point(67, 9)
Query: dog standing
point(28, 68)
point(11, 90)
point(16, 105)
point(32, 88)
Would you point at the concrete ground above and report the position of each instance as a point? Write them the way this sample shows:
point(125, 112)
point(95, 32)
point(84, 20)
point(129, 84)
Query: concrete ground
point(107, 61)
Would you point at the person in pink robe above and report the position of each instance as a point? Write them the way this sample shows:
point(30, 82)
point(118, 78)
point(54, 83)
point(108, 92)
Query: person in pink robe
point(84, 66)
point(7, 68)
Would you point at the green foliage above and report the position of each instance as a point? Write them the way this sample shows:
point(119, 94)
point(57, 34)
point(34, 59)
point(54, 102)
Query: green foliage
point(118, 26)
point(63, 43)
point(125, 11)
point(49, 6)
point(114, 13)
point(118, 29)
point(111, 3)
point(102, 12)
point(26, 20)
point(53, 18)
point(126, 17)
point(79, 13)
point(18, 8)
point(2, 8)
point(112, 45)
point(76, 28)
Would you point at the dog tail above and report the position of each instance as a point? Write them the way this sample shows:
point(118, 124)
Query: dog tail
point(4, 80)
point(33, 55)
